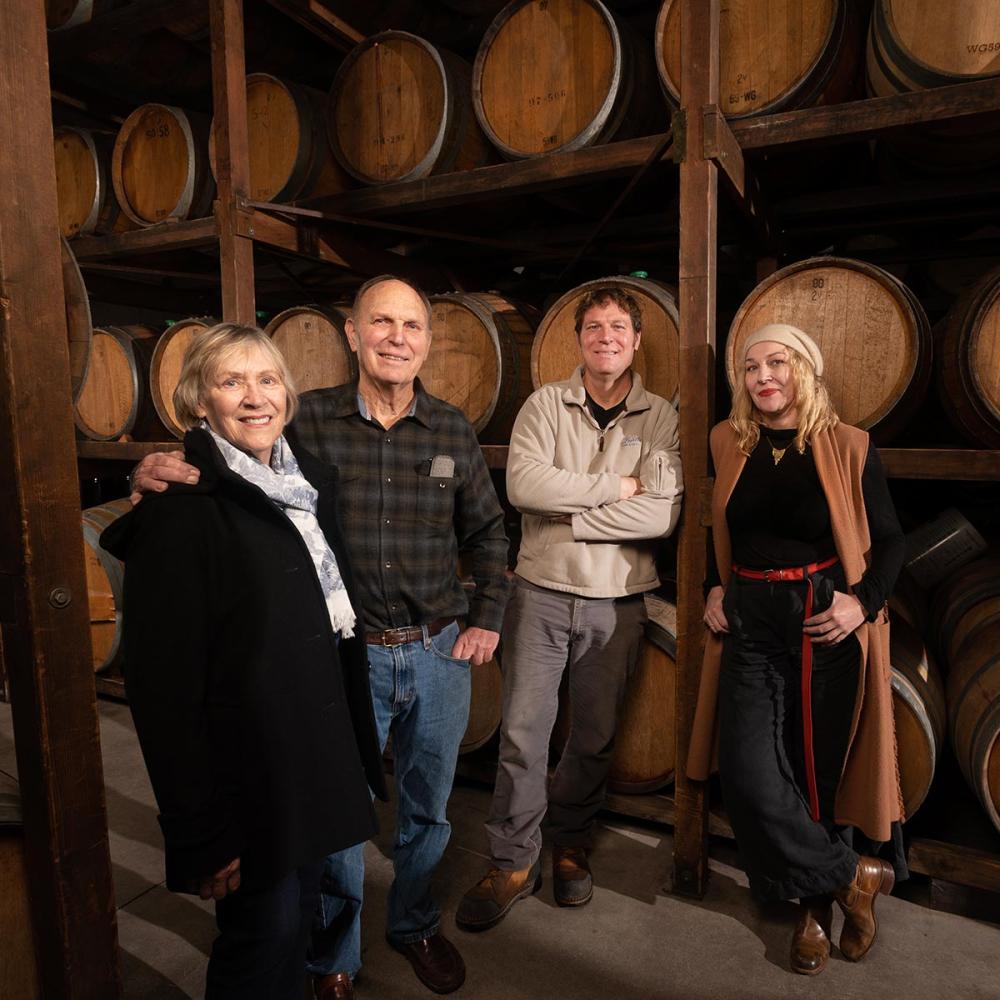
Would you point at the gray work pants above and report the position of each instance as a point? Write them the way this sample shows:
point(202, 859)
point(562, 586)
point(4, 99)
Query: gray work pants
point(545, 633)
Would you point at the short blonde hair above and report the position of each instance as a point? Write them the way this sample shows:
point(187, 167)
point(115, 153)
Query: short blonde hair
point(206, 354)
point(815, 411)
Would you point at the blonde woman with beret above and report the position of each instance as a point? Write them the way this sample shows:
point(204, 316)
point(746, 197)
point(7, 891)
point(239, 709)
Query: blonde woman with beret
point(795, 686)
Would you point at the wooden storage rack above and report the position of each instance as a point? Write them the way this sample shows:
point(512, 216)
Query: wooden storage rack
point(704, 145)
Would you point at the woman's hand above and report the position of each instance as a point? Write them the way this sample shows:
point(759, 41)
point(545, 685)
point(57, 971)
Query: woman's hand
point(839, 620)
point(223, 882)
point(715, 617)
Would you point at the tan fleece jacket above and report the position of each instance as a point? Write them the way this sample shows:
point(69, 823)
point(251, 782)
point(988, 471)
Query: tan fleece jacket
point(564, 474)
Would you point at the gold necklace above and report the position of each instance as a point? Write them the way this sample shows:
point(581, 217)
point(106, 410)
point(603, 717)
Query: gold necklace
point(776, 453)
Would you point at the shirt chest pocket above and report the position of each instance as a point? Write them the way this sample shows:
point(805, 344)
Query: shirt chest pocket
point(435, 500)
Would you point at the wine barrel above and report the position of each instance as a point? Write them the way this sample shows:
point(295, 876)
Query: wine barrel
point(290, 155)
point(556, 75)
point(873, 333)
point(61, 14)
point(105, 585)
point(159, 166)
point(480, 361)
point(314, 345)
point(918, 706)
point(773, 54)
point(115, 399)
point(79, 327)
point(963, 603)
point(165, 368)
point(485, 706)
point(936, 549)
point(400, 110)
point(974, 709)
point(968, 362)
point(555, 352)
point(645, 756)
point(86, 197)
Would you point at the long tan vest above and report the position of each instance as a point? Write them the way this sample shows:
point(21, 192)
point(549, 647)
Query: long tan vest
point(869, 795)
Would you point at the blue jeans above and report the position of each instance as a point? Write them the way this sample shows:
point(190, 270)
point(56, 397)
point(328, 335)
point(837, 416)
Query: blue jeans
point(421, 693)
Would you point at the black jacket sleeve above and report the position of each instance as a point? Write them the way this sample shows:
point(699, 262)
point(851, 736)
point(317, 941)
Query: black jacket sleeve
point(888, 545)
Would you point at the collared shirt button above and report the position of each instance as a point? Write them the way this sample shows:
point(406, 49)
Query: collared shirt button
point(388, 479)
point(388, 440)
point(388, 565)
point(387, 521)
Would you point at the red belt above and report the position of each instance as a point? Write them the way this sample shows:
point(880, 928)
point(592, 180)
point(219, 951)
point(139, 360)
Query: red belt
point(800, 573)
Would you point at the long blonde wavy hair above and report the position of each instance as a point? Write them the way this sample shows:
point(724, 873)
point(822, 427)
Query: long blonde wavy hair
point(815, 411)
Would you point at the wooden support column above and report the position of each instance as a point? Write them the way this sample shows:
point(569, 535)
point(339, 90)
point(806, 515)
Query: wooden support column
point(699, 183)
point(43, 588)
point(232, 161)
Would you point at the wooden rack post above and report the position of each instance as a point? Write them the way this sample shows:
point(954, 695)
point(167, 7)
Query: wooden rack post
point(43, 588)
point(699, 187)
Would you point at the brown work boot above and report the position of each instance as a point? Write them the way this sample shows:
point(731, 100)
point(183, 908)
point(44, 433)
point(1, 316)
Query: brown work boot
point(811, 940)
point(572, 883)
point(489, 900)
point(857, 900)
point(337, 986)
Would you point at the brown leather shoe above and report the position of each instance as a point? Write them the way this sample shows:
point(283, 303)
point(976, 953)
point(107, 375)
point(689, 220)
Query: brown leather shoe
point(490, 899)
point(337, 986)
point(811, 940)
point(572, 883)
point(857, 900)
point(436, 962)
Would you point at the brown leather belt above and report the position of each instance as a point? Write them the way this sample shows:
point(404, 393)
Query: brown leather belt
point(408, 633)
point(800, 573)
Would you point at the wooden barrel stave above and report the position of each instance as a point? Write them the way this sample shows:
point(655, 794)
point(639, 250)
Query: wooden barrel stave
point(314, 345)
point(85, 194)
point(555, 351)
point(105, 585)
point(485, 706)
point(873, 333)
point(165, 368)
point(975, 586)
point(79, 327)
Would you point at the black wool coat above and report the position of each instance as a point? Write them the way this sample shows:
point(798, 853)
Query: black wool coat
point(255, 723)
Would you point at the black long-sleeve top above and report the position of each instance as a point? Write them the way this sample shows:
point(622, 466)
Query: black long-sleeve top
point(778, 516)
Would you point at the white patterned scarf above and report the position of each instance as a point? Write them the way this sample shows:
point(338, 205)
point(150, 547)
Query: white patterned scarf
point(288, 489)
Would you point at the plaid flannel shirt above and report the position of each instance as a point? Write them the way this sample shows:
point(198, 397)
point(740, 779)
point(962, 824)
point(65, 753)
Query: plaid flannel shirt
point(411, 498)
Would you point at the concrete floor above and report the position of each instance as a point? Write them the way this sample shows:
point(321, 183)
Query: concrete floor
point(634, 940)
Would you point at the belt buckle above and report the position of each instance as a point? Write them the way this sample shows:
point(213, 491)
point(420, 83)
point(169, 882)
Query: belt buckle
point(769, 578)
point(395, 636)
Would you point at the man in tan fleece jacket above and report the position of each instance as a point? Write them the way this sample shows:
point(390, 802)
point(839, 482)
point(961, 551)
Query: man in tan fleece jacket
point(594, 469)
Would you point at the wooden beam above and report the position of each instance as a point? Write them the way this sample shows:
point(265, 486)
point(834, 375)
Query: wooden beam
point(941, 463)
point(232, 160)
point(955, 863)
point(720, 146)
point(699, 186)
point(46, 630)
point(176, 235)
point(315, 16)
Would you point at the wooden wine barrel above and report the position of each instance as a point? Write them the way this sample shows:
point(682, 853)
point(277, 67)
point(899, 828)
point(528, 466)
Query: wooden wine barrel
point(773, 54)
point(115, 399)
point(105, 582)
point(555, 352)
point(159, 166)
point(480, 361)
point(79, 327)
point(400, 110)
point(556, 75)
point(937, 549)
point(61, 14)
point(86, 196)
point(963, 603)
point(165, 368)
point(290, 155)
point(968, 362)
point(485, 706)
point(645, 755)
point(314, 345)
point(974, 710)
point(872, 331)
point(919, 710)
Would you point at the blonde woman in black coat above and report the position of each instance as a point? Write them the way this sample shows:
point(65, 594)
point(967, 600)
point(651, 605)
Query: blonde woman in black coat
point(245, 666)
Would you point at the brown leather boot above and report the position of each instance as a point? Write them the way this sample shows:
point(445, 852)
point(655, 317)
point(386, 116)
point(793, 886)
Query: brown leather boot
point(491, 898)
point(572, 883)
point(811, 940)
point(857, 900)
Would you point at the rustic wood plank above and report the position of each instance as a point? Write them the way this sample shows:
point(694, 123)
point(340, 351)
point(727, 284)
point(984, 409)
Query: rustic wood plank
point(46, 640)
point(955, 863)
point(941, 463)
point(232, 160)
point(720, 146)
point(178, 235)
point(699, 187)
point(315, 16)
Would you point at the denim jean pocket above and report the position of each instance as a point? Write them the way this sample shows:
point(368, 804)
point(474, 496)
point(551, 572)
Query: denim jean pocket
point(443, 643)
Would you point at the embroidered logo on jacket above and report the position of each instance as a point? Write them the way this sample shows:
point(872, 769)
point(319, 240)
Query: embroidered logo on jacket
point(631, 441)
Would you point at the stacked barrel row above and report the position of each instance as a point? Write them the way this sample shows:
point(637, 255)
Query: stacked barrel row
point(549, 76)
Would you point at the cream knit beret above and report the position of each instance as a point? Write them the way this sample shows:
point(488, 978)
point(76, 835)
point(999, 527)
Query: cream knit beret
point(790, 336)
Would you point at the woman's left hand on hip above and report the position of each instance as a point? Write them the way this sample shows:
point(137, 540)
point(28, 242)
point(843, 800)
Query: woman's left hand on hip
point(844, 615)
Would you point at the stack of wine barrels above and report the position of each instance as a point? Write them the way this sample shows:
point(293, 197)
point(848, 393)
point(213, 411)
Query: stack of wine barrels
point(314, 345)
point(774, 54)
point(159, 166)
point(165, 368)
point(86, 196)
point(873, 333)
point(480, 361)
point(290, 156)
point(556, 75)
point(400, 110)
point(79, 327)
point(968, 629)
point(555, 352)
point(105, 581)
